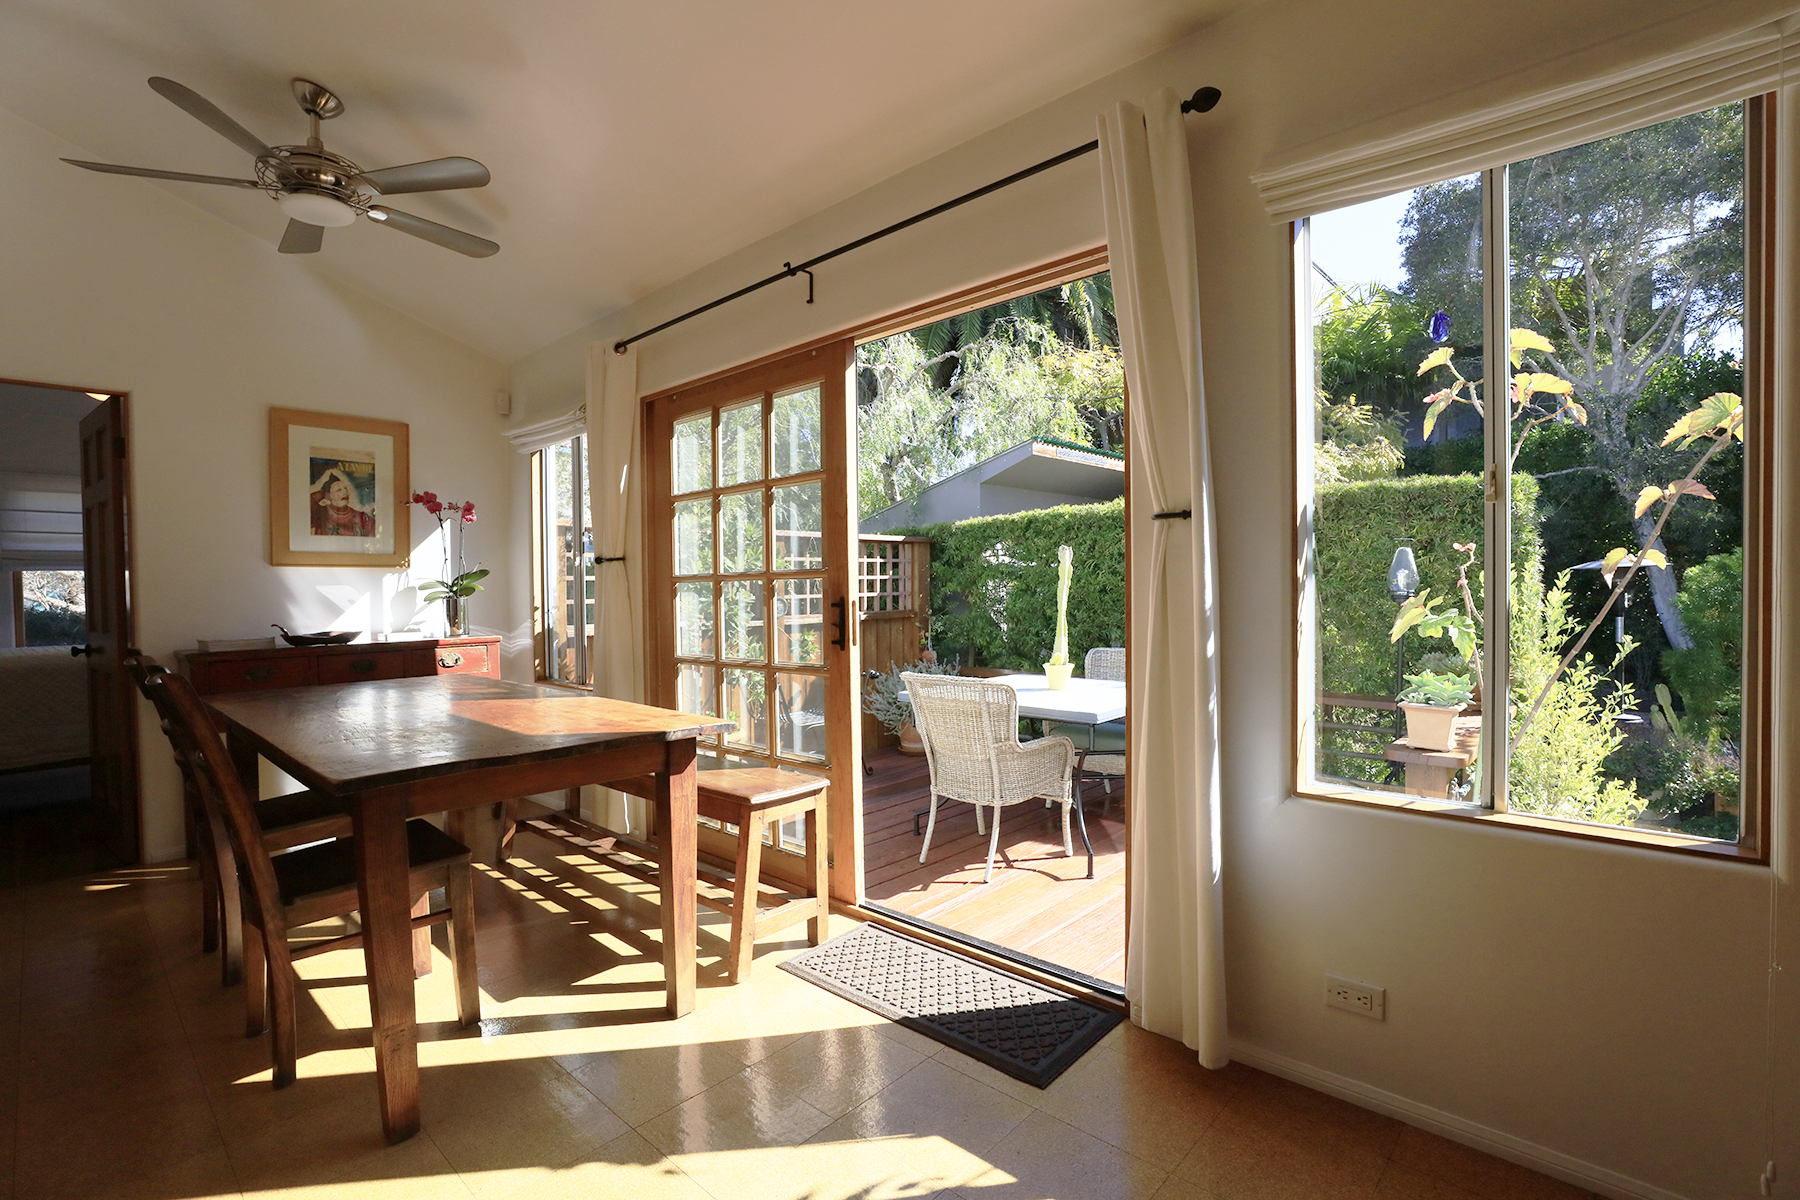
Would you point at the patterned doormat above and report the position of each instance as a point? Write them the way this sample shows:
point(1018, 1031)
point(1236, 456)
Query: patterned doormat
point(1030, 1032)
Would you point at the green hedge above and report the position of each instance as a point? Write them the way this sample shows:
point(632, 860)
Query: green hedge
point(1357, 530)
point(993, 579)
point(993, 584)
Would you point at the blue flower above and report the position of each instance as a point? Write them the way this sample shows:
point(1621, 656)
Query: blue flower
point(1439, 328)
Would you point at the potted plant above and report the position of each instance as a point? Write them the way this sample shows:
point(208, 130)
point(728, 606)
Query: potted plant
point(452, 589)
point(1059, 668)
point(1432, 702)
point(881, 699)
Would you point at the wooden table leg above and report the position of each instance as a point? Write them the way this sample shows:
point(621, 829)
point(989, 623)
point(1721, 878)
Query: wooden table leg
point(381, 882)
point(677, 816)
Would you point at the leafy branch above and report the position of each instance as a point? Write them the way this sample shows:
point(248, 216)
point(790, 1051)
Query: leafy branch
point(1524, 386)
point(1720, 417)
point(1462, 628)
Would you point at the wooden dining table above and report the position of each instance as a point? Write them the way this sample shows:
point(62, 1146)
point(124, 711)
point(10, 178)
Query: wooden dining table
point(393, 749)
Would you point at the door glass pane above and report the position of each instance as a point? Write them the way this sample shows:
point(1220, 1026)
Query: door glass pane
point(799, 519)
point(746, 704)
point(741, 610)
point(800, 620)
point(795, 434)
point(693, 537)
point(698, 694)
point(800, 705)
point(741, 533)
point(694, 620)
point(693, 453)
point(740, 444)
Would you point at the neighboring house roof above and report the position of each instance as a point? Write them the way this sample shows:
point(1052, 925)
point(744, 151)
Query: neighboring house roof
point(1038, 473)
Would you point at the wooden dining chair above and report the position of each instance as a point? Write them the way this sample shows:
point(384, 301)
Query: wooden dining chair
point(287, 821)
point(285, 891)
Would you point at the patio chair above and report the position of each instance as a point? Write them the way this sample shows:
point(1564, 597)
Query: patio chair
point(1100, 751)
point(971, 735)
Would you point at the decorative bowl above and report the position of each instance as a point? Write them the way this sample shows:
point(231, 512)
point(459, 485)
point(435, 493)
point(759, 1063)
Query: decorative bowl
point(325, 637)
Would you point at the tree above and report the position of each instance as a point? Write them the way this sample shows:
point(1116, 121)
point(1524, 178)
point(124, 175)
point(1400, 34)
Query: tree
point(935, 400)
point(1628, 252)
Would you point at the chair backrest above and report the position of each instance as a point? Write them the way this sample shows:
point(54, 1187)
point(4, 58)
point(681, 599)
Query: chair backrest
point(197, 741)
point(961, 721)
point(143, 669)
point(1105, 662)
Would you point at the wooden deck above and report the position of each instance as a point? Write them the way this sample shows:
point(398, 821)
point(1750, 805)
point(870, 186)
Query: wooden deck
point(1041, 904)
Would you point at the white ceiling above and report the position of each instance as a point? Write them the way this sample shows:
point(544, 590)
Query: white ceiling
point(630, 142)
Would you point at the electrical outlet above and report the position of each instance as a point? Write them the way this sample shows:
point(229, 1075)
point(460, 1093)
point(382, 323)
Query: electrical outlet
point(1361, 998)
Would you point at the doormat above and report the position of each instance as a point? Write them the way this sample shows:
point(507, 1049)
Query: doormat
point(1030, 1032)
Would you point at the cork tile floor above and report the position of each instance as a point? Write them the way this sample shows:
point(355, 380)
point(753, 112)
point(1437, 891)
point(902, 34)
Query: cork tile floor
point(124, 1073)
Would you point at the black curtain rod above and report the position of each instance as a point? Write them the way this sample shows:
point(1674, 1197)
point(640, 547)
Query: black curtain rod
point(1201, 101)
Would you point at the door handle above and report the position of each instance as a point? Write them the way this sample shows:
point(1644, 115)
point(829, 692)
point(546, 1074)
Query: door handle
point(842, 640)
point(78, 651)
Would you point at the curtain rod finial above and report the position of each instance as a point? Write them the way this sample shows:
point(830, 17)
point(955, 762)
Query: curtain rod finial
point(1202, 100)
point(619, 347)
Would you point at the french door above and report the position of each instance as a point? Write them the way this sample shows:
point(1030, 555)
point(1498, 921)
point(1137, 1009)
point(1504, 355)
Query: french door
point(752, 612)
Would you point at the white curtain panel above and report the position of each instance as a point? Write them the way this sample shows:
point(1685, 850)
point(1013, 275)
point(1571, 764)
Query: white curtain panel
point(616, 489)
point(1175, 963)
point(1604, 99)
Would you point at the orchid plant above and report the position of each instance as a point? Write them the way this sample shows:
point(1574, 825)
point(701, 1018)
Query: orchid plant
point(464, 583)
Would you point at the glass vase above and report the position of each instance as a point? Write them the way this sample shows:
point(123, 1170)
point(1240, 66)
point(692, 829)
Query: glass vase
point(456, 616)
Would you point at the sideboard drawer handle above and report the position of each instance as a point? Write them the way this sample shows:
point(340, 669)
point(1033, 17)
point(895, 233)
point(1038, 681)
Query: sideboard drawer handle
point(259, 674)
point(449, 658)
point(363, 666)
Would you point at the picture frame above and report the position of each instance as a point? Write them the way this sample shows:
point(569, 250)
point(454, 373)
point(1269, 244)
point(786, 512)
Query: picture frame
point(339, 488)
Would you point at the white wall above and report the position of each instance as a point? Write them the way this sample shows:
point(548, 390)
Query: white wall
point(1598, 1009)
point(115, 284)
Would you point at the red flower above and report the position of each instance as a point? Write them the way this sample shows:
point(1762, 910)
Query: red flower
point(468, 512)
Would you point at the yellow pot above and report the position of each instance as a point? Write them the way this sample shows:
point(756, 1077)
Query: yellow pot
point(1059, 674)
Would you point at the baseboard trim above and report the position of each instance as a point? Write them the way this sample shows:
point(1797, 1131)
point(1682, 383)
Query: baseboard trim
point(1448, 1125)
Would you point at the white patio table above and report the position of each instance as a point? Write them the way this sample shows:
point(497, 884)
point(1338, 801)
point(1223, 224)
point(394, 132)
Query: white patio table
point(1089, 702)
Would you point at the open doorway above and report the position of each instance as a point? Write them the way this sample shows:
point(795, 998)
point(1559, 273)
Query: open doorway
point(54, 819)
point(986, 441)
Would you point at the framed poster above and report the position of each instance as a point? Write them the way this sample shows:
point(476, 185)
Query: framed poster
point(338, 490)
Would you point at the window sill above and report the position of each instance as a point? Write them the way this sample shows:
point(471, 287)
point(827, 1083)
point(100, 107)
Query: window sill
point(1644, 839)
point(564, 685)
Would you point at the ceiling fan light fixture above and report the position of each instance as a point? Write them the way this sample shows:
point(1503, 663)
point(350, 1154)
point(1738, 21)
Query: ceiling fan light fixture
point(316, 208)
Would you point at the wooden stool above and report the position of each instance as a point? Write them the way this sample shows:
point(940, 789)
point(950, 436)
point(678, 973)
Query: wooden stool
point(748, 797)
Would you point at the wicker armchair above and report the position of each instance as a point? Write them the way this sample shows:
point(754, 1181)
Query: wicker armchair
point(971, 735)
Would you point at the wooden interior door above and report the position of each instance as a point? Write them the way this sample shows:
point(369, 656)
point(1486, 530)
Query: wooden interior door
point(751, 587)
point(112, 707)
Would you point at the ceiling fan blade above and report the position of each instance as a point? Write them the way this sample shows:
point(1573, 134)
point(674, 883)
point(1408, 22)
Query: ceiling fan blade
point(208, 114)
point(431, 231)
point(148, 173)
point(301, 238)
point(437, 175)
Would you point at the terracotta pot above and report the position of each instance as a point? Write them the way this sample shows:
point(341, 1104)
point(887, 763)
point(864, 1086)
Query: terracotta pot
point(910, 741)
point(1430, 726)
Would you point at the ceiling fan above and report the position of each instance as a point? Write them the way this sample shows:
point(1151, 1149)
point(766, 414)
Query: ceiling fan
point(317, 189)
